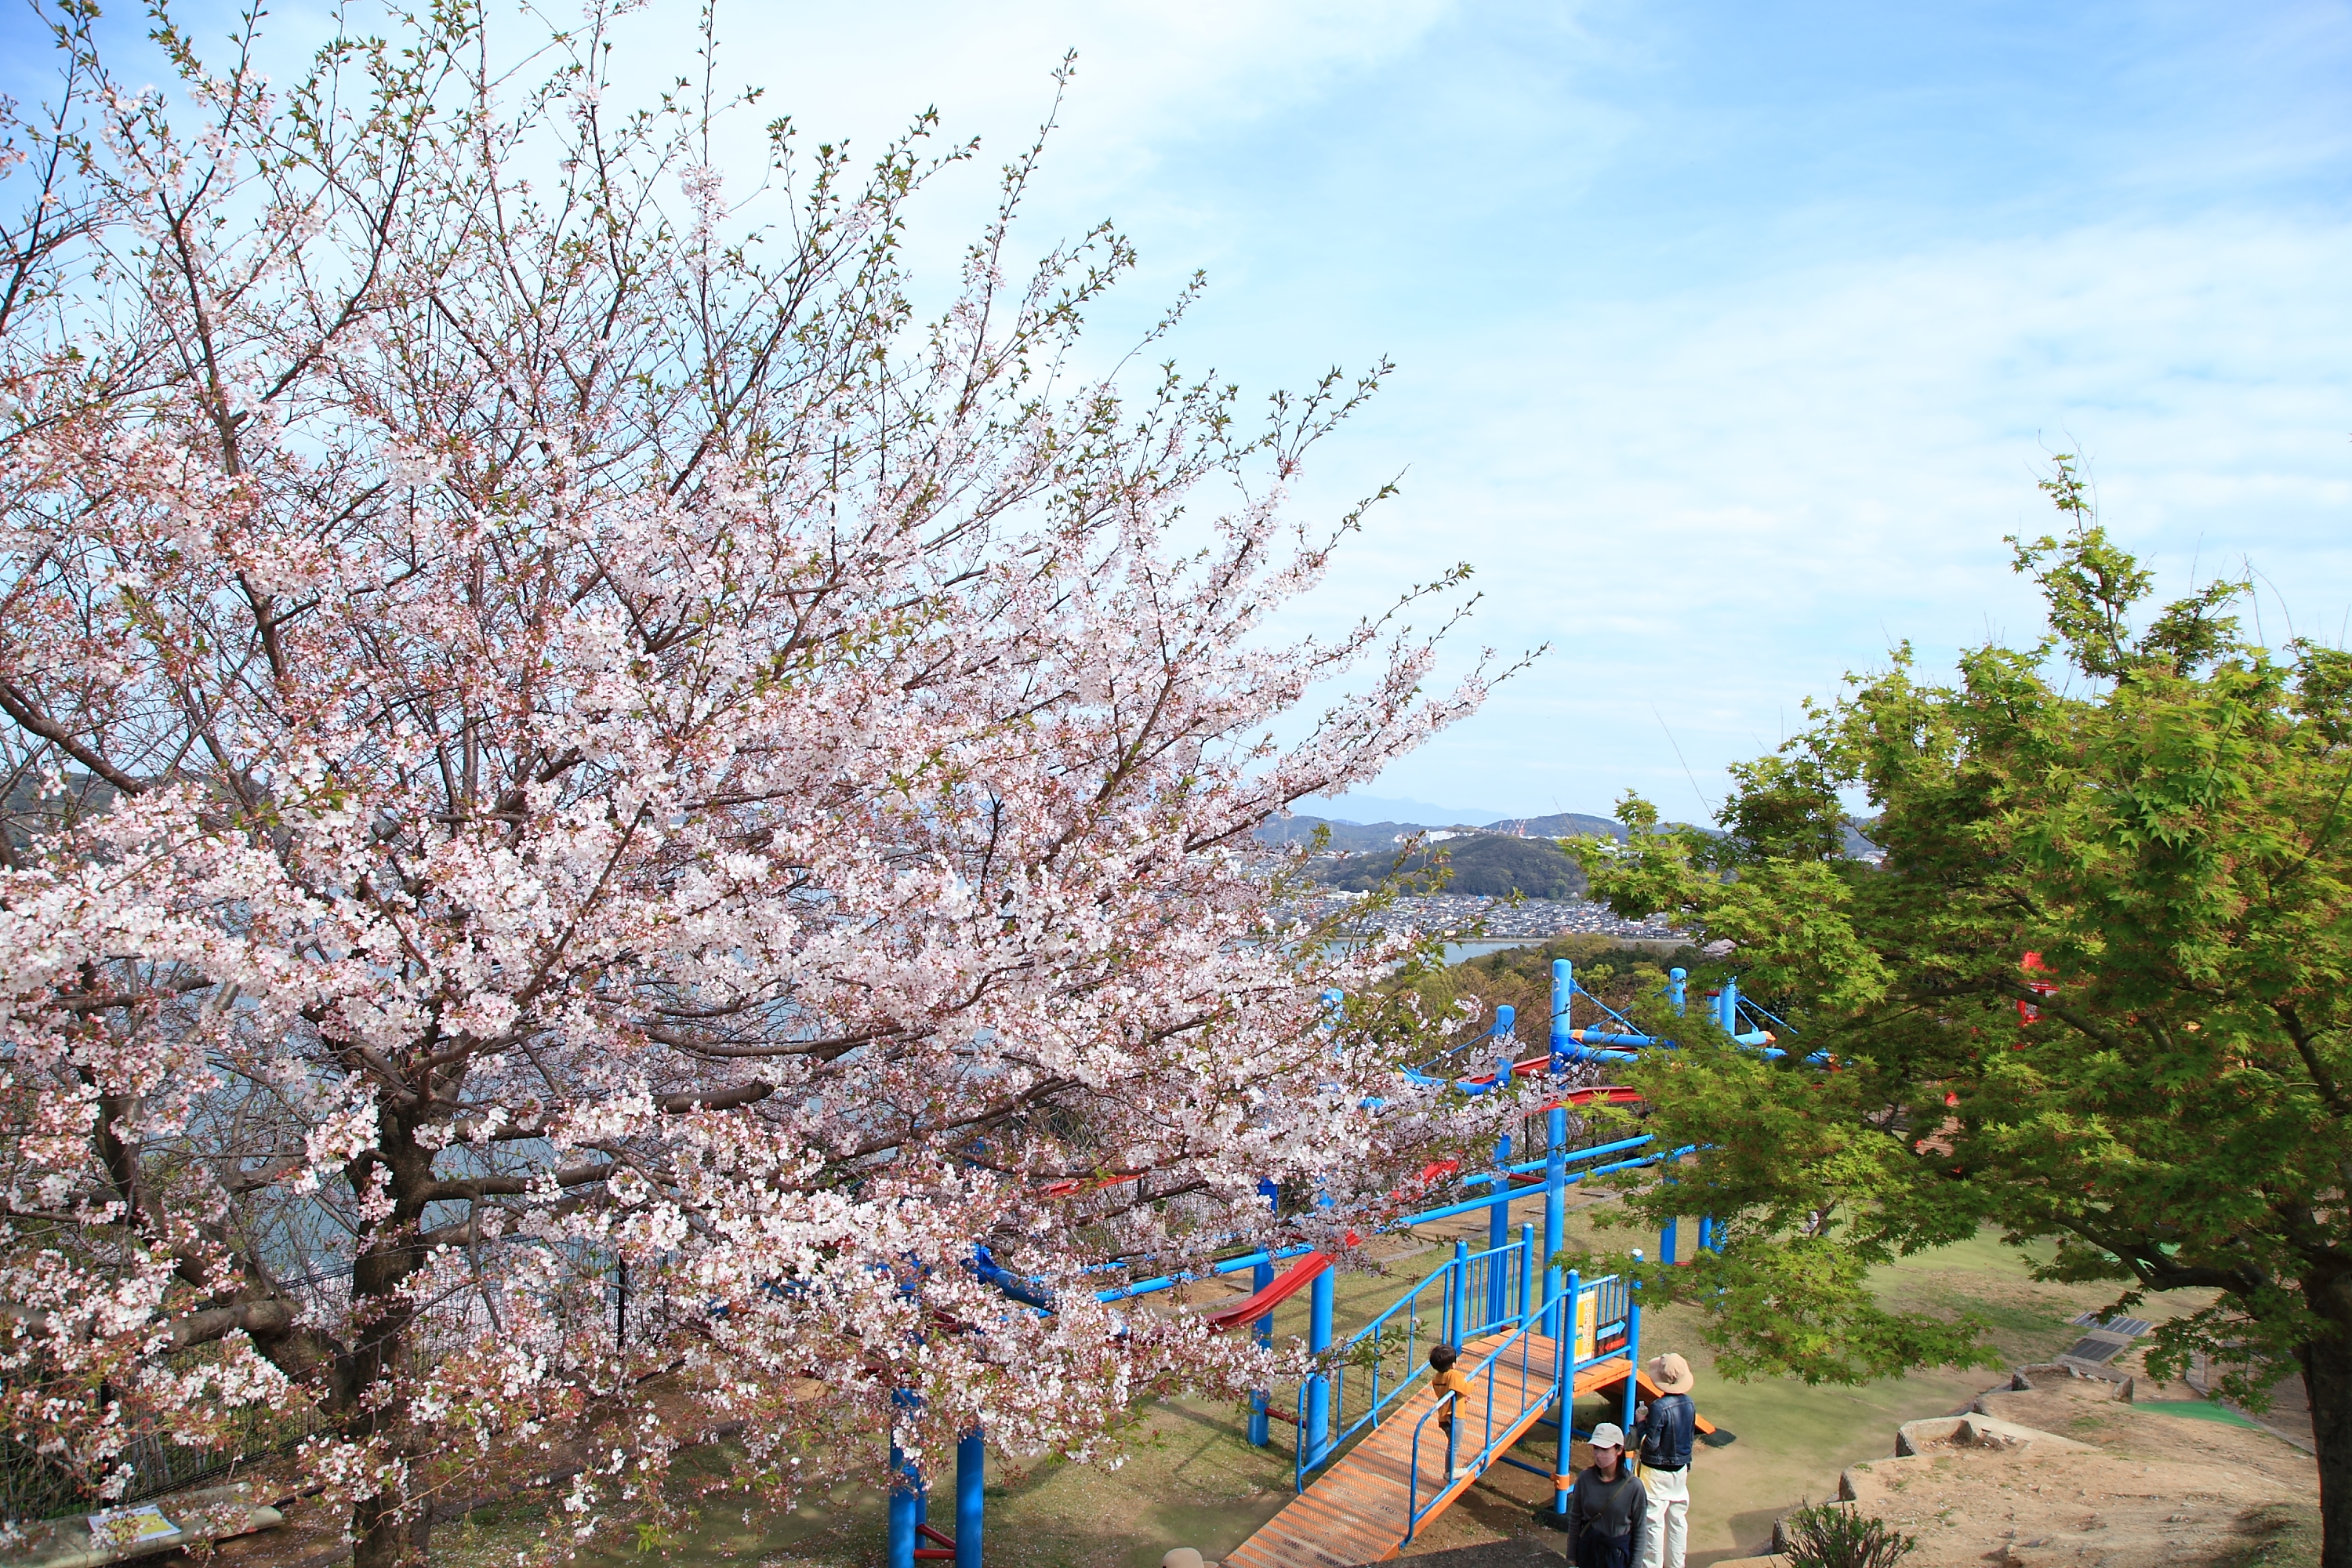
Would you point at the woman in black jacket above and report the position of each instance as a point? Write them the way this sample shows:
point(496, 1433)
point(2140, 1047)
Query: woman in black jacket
point(1608, 1511)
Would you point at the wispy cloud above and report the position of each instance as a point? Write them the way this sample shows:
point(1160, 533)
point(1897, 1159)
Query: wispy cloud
point(1729, 336)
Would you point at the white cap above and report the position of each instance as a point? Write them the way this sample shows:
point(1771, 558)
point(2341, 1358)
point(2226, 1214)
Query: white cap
point(1608, 1434)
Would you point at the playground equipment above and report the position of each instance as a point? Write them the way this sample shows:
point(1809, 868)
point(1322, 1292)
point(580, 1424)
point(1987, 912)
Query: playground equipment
point(1536, 1350)
point(1387, 1467)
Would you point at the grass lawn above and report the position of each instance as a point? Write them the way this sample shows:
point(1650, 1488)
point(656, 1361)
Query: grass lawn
point(1189, 1479)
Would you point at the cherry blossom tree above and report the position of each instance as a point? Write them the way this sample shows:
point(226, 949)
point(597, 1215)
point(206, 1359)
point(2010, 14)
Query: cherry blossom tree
point(566, 748)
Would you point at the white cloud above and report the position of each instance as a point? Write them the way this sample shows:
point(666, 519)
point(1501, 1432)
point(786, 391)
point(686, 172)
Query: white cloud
point(1716, 501)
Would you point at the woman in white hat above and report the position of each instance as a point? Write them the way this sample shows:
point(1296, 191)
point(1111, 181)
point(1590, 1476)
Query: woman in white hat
point(1607, 1509)
point(1666, 1428)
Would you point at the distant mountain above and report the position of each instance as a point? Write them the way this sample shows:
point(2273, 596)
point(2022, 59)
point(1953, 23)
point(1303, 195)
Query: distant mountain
point(1563, 825)
point(1348, 837)
point(1368, 839)
point(1363, 810)
point(1489, 864)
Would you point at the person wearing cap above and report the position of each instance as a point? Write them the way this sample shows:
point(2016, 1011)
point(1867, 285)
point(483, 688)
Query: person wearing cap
point(1608, 1510)
point(1664, 1428)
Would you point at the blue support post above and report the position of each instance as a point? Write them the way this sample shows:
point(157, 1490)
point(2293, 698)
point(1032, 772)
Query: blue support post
point(1498, 1232)
point(1562, 1466)
point(1457, 1334)
point(909, 1505)
point(1314, 1441)
point(1726, 1003)
point(1506, 1039)
point(1528, 1275)
point(1633, 1347)
point(1260, 1276)
point(1675, 979)
point(1563, 992)
point(1555, 1194)
point(971, 1481)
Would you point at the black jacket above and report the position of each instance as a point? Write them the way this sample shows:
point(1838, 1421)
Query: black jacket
point(1666, 1431)
point(1607, 1519)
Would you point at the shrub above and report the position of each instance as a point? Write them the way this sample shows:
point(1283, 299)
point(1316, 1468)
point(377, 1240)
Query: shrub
point(1838, 1535)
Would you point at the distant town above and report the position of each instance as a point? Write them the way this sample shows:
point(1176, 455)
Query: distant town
point(1484, 916)
point(1507, 880)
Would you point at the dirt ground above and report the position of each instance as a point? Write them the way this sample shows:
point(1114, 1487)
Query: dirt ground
point(2150, 1487)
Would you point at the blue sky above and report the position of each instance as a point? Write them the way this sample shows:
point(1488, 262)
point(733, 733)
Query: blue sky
point(1730, 336)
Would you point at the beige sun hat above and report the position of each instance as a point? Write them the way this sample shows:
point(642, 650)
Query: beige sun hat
point(1672, 1374)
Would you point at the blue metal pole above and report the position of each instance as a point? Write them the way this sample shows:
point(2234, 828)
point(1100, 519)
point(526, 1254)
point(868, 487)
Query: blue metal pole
point(971, 1481)
point(1528, 1273)
point(1632, 1346)
point(1555, 1194)
point(906, 1509)
point(1261, 1277)
point(1316, 1441)
point(1562, 1468)
point(1461, 1292)
point(1675, 988)
point(1498, 1232)
point(1507, 1044)
point(1563, 989)
point(1726, 1003)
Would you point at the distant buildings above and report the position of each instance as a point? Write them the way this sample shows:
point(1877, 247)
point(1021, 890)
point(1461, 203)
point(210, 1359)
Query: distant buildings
point(1455, 914)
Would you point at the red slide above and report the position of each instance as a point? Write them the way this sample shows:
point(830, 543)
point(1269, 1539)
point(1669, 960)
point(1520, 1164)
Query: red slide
point(1286, 1284)
point(1607, 1093)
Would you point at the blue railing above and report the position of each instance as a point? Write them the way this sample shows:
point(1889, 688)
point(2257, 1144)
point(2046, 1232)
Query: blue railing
point(1414, 1320)
point(1519, 1352)
point(1487, 1294)
point(1595, 1317)
point(1475, 1293)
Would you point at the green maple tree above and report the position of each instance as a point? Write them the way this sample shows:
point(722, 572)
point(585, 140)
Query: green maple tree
point(2157, 809)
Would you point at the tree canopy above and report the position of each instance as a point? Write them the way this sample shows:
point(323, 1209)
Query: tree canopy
point(2096, 995)
point(593, 801)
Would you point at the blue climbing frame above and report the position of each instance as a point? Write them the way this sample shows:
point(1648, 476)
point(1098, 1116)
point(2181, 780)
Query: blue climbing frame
point(1471, 1293)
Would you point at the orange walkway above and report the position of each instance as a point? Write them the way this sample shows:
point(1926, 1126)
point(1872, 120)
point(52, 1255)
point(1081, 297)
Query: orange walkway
point(1355, 1512)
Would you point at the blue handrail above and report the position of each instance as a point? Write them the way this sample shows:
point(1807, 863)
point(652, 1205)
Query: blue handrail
point(1482, 1293)
point(1408, 1303)
point(1473, 1283)
point(1524, 1339)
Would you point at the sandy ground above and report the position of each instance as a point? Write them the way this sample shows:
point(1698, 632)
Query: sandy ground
point(2148, 1487)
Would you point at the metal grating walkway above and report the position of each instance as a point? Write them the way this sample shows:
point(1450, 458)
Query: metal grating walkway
point(1355, 1512)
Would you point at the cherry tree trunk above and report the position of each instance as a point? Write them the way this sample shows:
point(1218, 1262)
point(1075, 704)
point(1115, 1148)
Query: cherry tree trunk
point(391, 1527)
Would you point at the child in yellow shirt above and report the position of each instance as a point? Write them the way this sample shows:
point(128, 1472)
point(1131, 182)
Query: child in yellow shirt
point(1446, 1380)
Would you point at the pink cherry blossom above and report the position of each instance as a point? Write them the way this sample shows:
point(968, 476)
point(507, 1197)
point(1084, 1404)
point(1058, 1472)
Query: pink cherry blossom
point(562, 745)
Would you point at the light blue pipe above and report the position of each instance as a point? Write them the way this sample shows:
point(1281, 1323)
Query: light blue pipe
point(1230, 1266)
point(1525, 1166)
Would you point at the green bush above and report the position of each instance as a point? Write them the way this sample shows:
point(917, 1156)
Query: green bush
point(1837, 1535)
